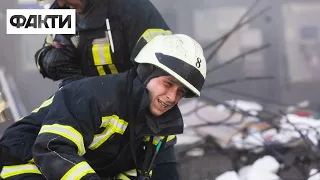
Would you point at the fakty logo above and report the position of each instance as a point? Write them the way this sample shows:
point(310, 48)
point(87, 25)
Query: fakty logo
point(41, 21)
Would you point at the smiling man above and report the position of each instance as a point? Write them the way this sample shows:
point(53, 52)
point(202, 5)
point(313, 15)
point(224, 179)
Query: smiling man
point(163, 98)
point(103, 127)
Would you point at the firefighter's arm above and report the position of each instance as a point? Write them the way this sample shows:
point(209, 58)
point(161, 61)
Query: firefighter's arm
point(166, 165)
point(142, 24)
point(66, 132)
point(56, 59)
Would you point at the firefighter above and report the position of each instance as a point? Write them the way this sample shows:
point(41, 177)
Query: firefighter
point(107, 32)
point(104, 127)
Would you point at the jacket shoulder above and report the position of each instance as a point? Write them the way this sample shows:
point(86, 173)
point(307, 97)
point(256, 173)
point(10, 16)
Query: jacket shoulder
point(109, 91)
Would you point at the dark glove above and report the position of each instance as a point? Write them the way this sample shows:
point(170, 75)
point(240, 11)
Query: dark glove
point(39, 57)
point(66, 43)
point(55, 64)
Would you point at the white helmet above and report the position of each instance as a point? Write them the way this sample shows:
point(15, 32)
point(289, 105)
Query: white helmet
point(180, 56)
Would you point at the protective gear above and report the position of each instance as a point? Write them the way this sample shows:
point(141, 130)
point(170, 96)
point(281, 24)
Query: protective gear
point(148, 71)
point(178, 55)
point(88, 122)
point(56, 64)
point(131, 28)
point(39, 56)
point(68, 47)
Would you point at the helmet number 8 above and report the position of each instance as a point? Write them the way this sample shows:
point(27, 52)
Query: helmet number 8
point(198, 63)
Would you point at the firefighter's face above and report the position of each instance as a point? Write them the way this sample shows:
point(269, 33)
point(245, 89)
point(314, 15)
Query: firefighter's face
point(164, 93)
point(78, 5)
